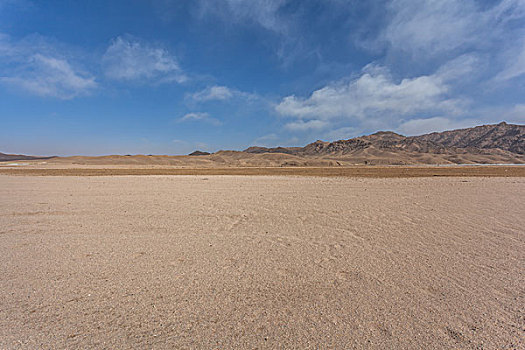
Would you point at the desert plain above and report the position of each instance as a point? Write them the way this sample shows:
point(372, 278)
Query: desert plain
point(262, 261)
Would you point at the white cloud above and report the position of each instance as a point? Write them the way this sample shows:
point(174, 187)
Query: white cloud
point(34, 65)
point(264, 13)
point(479, 47)
point(430, 31)
point(508, 10)
point(223, 94)
point(510, 113)
point(129, 59)
point(267, 140)
point(194, 116)
point(514, 62)
point(484, 115)
point(342, 133)
point(275, 140)
point(426, 28)
point(301, 125)
point(214, 93)
point(373, 95)
point(283, 18)
point(202, 117)
point(516, 114)
point(460, 68)
point(48, 76)
point(435, 124)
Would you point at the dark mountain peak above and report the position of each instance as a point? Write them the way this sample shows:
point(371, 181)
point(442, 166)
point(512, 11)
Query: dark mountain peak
point(199, 153)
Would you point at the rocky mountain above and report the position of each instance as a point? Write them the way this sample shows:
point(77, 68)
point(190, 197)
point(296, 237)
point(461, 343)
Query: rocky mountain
point(488, 144)
point(481, 139)
point(503, 136)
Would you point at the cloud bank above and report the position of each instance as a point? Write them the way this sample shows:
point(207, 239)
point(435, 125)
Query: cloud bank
point(373, 97)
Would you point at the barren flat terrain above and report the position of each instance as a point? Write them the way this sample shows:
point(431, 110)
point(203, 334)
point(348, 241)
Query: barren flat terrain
point(218, 261)
point(354, 171)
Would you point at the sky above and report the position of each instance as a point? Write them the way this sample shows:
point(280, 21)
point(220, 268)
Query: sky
point(172, 76)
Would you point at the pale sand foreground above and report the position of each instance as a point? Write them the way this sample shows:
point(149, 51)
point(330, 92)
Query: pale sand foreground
point(261, 262)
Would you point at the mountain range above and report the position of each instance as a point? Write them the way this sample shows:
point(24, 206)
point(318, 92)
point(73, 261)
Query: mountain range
point(481, 144)
point(488, 144)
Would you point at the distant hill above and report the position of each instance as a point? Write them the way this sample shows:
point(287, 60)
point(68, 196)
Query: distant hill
point(483, 144)
point(488, 144)
point(12, 157)
point(199, 153)
point(285, 150)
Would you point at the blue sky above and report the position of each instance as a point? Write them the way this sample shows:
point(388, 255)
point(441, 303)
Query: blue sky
point(169, 77)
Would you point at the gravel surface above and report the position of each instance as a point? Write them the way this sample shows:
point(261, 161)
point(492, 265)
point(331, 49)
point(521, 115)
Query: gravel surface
point(163, 262)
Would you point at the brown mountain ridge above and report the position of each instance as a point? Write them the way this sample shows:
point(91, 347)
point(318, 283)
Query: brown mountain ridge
point(502, 136)
point(499, 143)
point(488, 144)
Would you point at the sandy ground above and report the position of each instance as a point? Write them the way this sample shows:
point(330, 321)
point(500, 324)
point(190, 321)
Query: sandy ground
point(169, 262)
point(37, 169)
